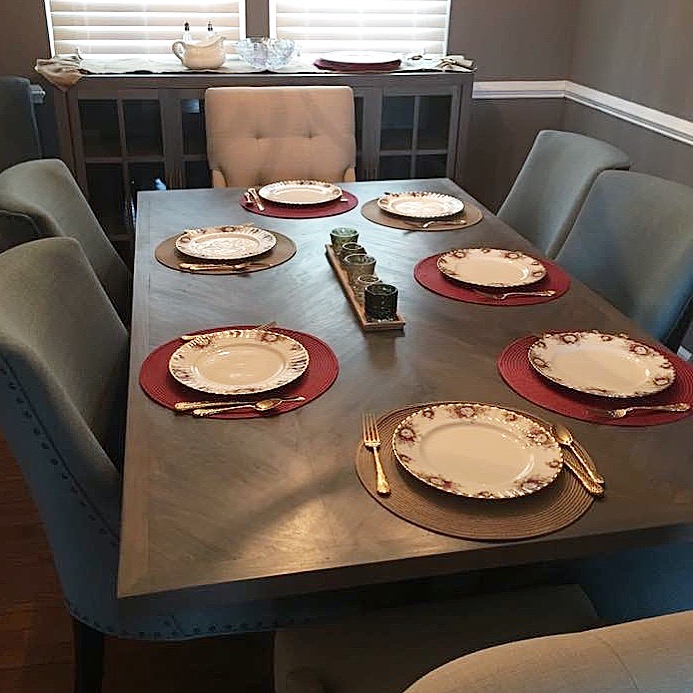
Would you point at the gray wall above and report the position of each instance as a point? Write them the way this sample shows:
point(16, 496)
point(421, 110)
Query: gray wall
point(639, 50)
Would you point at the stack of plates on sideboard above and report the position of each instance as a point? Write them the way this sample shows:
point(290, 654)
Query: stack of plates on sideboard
point(358, 61)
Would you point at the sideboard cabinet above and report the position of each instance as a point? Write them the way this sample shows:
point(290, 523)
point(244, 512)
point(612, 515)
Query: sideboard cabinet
point(124, 133)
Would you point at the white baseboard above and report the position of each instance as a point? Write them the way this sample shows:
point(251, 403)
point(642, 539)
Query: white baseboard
point(662, 123)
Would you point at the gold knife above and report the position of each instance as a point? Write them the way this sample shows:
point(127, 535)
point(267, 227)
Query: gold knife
point(591, 486)
point(257, 199)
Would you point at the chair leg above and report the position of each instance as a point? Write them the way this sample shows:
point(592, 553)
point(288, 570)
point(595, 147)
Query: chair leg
point(89, 644)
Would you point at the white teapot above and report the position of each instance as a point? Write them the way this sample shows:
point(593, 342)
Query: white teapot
point(201, 55)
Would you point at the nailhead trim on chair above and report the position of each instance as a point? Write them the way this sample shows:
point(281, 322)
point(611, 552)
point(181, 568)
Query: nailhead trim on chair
point(53, 457)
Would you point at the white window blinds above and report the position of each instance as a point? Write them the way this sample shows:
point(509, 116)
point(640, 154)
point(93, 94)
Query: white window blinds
point(119, 28)
point(401, 26)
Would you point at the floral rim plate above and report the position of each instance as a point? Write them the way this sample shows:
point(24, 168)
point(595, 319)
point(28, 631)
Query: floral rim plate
point(420, 205)
point(601, 364)
point(477, 450)
point(300, 192)
point(239, 362)
point(225, 242)
point(491, 267)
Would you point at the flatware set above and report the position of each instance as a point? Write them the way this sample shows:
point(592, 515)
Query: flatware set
point(208, 408)
point(256, 199)
point(431, 222)
point(565, 438)
point(226, 267)
point(190, 337)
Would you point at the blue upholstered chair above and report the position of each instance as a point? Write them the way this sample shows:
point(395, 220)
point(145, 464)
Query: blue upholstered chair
point(63, 379)
point(20, 138)
point(46, 192)
point(553, 183)
point(633, 244)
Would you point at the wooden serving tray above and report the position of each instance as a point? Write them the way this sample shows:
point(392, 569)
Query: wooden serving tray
point(366, 324)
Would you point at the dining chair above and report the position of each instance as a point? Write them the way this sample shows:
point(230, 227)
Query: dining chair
point(486, 648)
point(46, 192)
point(552, 184)
point(260, 135)
point(15, 229)
point(20, 140)
point(632, 243)
point(388, 650)
point(649, 656)
point(63, 383)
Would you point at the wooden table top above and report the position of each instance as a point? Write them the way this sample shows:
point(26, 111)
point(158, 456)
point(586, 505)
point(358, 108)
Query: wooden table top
point(223, 511)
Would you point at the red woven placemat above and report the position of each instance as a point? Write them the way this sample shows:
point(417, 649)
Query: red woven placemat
point(164, 389)
point(328, 209)
point(518, 372)
point(430, 277)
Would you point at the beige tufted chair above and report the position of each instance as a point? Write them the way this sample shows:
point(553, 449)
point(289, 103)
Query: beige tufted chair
point(259, 135)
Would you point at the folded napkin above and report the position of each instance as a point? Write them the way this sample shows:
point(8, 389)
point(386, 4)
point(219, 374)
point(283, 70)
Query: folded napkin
point(456, 63)
point(63, 70)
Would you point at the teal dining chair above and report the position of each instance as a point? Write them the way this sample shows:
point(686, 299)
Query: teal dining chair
point(63, 380)
point(632, 243)
point(552, 184)
point(46, 192)
point(20, 140)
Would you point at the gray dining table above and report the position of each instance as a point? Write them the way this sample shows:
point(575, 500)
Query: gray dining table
point(221, 511)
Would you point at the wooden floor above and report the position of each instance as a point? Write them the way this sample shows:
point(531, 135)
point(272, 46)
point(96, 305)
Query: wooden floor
point(36, 635)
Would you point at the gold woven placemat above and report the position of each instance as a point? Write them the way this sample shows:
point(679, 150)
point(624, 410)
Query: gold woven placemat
point(553, 508)
point(470, 216)
point(167, 254)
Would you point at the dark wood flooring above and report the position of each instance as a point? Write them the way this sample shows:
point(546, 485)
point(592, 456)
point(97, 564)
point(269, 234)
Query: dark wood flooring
point(36, 634)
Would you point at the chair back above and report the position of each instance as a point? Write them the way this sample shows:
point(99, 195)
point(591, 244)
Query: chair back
point(259, 135)
point(45, 191)
point(633, 243)
point(63, 375)
point(20, 141)
point(552, 184)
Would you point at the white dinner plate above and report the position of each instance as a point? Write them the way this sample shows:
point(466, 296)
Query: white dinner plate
point(601, 364)
point(420, 205)
point(491, 267)
point(361, 57)
point(225, 242)
point(239, 362)
point(300, 192)
point(477, 450)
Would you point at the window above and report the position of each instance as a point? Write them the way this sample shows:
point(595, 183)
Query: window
point(122, 28)
point(400, 26)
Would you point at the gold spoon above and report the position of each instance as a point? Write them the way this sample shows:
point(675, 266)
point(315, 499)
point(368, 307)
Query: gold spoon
point(261, 405)
point(565, 438)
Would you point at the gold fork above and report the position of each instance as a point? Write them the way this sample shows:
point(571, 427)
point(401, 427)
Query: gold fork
point(371, 441)
point(624, 411)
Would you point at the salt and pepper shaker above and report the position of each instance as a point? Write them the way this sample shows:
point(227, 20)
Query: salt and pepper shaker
point(187, 34)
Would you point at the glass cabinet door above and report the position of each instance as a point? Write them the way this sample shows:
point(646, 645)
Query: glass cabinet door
point(415, 132)
point(123, 148)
